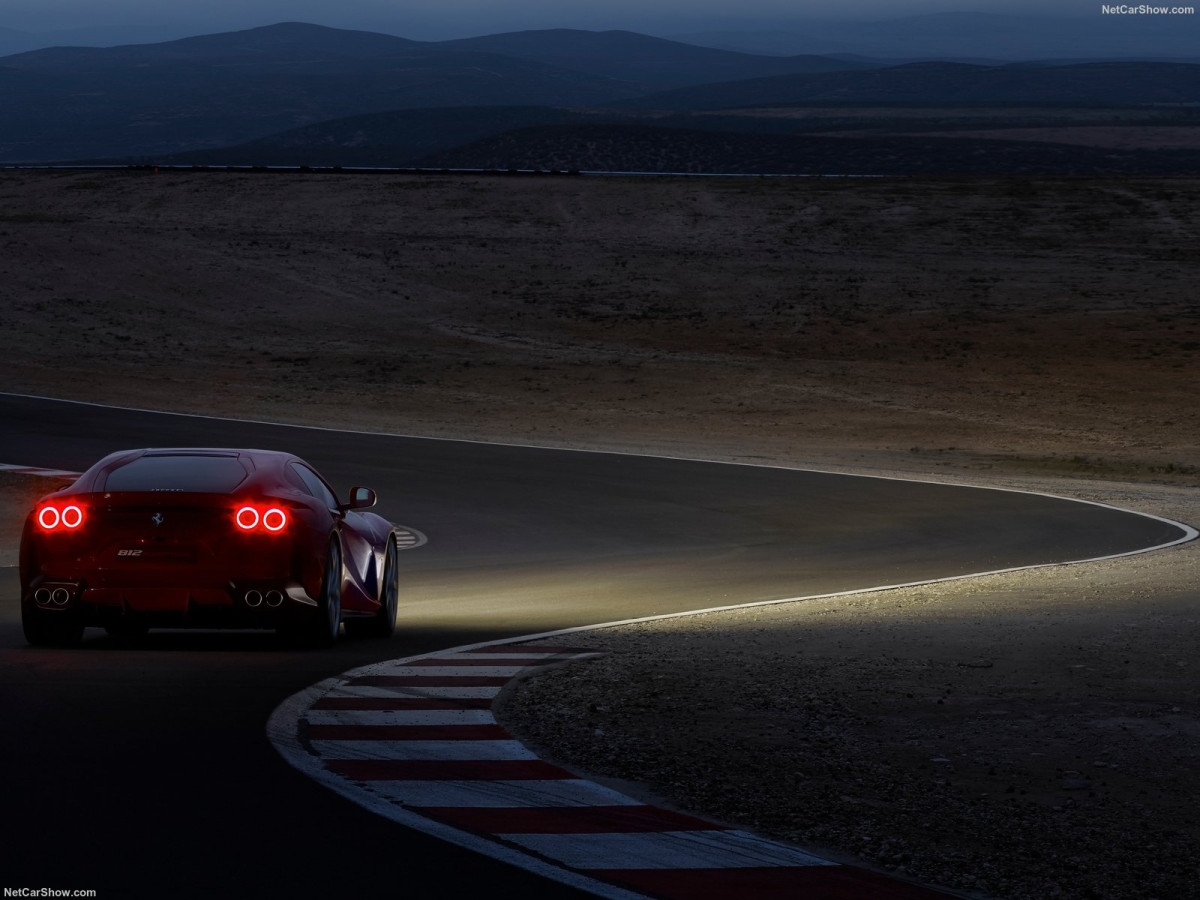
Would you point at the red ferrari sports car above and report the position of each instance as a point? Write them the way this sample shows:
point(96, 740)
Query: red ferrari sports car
point(206, 538)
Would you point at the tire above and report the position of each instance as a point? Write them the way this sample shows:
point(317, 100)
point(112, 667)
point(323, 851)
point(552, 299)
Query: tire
point(59, 629)
point(383, 623)
point(328, 619)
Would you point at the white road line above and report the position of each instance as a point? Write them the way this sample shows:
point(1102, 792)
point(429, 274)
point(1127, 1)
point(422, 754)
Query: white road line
point(422, 750)
point(447, 693)
point(501, 794)
point(400, 717)
point(664, 850)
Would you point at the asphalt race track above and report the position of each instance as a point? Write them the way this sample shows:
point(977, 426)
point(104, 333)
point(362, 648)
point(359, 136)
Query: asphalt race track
point(145, 772)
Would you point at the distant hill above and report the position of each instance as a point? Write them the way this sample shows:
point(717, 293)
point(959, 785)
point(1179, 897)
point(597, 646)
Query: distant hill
point(403, 137)
point(640, 59)
point(962, 35)
point(1090, 83)
point(641, 148)
point(16, 41)
point(396, 138)
point(269, 46)
point(883, 139)
point(223, 89)
point(323, 96)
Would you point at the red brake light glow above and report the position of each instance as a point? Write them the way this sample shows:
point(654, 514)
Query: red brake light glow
point(249, 518)
point(51, 517)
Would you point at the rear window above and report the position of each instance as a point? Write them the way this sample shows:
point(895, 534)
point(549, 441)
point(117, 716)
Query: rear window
point(178, 472)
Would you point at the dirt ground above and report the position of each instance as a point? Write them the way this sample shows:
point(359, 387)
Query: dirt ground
point(1037, 332)
point(1044, 322)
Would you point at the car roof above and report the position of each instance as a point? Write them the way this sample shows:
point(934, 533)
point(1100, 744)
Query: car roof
point(210, 451)
point(263, 464)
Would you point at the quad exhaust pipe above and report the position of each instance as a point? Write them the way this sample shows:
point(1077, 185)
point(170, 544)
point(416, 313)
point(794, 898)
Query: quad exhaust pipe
point(52, 596)
point(255, 598)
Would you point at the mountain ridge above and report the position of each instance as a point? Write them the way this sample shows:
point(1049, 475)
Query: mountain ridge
point(629, 56)
point(217, 90)
point(232, 89)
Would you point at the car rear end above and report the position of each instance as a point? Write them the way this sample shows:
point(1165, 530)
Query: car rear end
point(169, 539)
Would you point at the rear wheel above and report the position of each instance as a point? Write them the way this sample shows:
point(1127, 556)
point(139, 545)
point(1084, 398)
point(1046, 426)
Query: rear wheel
point(383, 623)
point(54, 629)
point(328, 617)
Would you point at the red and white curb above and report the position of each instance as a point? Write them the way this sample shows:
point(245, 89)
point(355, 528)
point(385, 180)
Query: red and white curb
point(415, 740)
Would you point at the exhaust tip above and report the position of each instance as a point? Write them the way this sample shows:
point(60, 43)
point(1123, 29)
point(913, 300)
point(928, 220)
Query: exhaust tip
point(274, 598)
point(254, 598)
point(60, 596)
point(42, 596)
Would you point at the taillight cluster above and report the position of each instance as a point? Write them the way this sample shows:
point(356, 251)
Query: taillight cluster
point(254, 518)
point(53, 517)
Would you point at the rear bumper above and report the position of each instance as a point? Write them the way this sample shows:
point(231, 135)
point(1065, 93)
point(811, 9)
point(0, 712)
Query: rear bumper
point(251, 603)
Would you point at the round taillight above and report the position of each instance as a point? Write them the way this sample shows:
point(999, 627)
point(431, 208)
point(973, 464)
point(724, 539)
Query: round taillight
point(72, 517)
point(247, 518)
point(274, 519)
point(49, 518)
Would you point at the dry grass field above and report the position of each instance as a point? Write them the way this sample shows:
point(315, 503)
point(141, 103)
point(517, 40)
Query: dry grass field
point(1050, 324)
point(1147, 128)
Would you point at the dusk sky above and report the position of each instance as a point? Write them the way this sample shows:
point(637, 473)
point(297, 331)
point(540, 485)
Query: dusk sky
point(437, 19)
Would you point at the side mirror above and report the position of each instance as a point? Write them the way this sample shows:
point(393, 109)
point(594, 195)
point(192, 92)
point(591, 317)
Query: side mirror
point(361, 498)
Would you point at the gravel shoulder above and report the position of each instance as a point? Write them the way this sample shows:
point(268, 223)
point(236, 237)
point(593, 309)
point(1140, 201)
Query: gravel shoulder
point(1025, 735)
